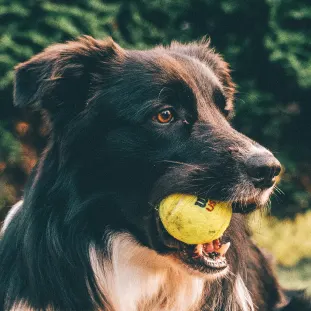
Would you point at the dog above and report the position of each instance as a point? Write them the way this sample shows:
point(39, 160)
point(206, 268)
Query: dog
point(127, 129)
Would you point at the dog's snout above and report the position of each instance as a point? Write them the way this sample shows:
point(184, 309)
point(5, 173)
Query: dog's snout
point(262, 168)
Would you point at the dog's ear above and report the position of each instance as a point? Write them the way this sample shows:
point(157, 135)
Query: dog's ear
point(206, 54)
point(61, 76)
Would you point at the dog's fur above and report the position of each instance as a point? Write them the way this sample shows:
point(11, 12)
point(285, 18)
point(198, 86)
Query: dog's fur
point(87, 234)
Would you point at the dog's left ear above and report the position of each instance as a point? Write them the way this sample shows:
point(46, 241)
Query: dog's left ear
point(60, 77)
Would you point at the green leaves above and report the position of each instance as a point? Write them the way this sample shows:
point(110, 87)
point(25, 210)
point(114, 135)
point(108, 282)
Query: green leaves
point(28, 27)
point(289, 38)
point(9, 147)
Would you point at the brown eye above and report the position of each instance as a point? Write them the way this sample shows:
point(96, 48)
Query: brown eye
point(165, 116)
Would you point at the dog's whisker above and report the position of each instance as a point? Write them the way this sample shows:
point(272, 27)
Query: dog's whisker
point(197, 167)
point(206, 190)
point(276, 195)
point(279, 190)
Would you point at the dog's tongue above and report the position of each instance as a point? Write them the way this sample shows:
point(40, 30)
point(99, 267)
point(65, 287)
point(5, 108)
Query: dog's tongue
point(212, 247)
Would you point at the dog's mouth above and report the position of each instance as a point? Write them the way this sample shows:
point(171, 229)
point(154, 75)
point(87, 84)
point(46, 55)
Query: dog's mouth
point(207, 258)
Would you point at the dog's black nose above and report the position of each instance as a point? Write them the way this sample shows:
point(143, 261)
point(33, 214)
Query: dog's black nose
point(262, 168)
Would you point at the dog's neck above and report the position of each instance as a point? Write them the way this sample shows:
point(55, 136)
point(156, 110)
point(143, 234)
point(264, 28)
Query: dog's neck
point(137, 278)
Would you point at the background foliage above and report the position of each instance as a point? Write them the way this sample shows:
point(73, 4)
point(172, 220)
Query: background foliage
point(266, 42)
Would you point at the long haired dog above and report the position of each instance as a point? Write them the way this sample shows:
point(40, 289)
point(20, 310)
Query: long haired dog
point(129, 128)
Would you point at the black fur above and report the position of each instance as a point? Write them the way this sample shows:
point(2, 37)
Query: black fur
point(108, 164)
point(298, 301)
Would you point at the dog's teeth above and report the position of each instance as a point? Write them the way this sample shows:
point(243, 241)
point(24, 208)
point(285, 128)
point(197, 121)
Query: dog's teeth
point(198, 251)
point(223, 249)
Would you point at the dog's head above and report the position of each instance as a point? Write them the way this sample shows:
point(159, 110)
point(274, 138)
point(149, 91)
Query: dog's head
point(131, 127)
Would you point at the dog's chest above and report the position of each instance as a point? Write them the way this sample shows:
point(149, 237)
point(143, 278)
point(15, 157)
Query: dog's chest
point(137, 279)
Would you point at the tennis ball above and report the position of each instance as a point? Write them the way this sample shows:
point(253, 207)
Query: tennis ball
point(194, 220)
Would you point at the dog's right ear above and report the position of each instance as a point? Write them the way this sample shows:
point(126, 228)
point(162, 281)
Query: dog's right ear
point(60, 76)
point(206, 54)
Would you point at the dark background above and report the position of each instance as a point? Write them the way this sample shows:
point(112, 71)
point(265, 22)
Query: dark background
point(267, 43)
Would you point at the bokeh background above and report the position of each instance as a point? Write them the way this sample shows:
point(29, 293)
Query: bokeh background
point(267, 43)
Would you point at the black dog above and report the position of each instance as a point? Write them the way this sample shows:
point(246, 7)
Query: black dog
point(129, 128)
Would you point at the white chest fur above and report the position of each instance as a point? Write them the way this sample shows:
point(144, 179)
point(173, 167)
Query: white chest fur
point(137, 278)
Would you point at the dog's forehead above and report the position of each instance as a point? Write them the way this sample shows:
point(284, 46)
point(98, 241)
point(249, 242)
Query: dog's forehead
point(164, 66)
point(146, 73)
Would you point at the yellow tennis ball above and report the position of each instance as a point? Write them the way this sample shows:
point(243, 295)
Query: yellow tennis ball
point(194, 220)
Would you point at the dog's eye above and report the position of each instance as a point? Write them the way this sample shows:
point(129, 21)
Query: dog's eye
point(164, 116)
